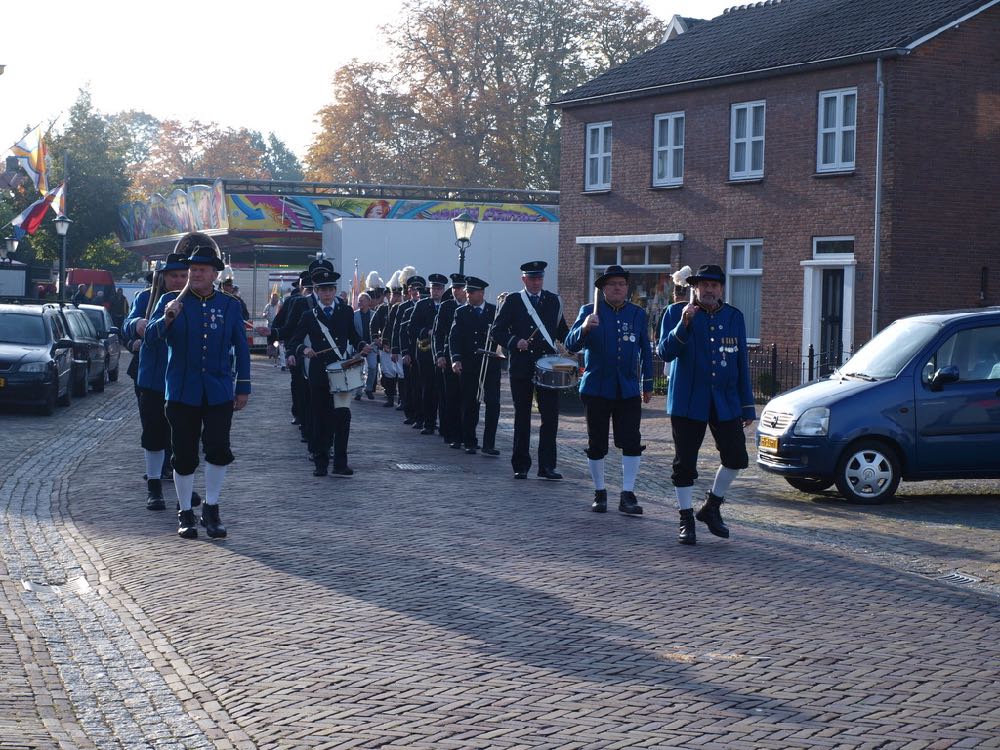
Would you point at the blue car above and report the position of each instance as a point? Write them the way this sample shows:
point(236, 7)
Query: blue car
point(920, 401)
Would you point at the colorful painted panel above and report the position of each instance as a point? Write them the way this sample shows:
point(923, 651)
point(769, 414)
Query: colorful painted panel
point(201, 207)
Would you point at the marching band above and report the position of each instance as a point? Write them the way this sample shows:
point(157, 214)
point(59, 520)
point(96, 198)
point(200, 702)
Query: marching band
point(437, 348)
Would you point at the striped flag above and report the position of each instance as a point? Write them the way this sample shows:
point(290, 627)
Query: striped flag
point(355, 287)
point(30, 218)
point(30, 152)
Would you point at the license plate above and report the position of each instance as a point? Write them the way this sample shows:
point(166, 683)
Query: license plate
point(768, 443)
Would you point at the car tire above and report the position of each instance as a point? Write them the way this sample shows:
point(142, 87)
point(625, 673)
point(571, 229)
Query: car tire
point(808, 484)
point(868, 473)
point(81, 383)
point(48, 407)
point(99, 384)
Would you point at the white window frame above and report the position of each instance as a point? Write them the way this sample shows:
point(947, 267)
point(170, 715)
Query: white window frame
point(670, 148)
point(832, 257)
point(600, 181)
point(748, 140)
point(839, 129)
point(732, 272)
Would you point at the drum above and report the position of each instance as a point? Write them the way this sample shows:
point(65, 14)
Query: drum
point(556, 372)
point(346, 376)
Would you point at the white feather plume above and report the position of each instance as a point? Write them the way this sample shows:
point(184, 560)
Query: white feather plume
point(373, 281)
point(406, 274)
point(680, 277)
point(394, 280)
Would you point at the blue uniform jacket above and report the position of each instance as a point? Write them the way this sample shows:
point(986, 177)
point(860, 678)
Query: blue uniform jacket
point(152, 372)
point(614, 351)
point(708, 364)
point(199, 341)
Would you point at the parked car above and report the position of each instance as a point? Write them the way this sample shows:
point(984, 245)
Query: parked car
point(36, 357)
point(90, 364)
point(920, 401)
point(108, 334)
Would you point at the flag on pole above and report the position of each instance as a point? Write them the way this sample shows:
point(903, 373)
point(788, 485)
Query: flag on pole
point(30, 152)
point(59, 199)
point(30, 218)
point(355, 287)
point(90, 291)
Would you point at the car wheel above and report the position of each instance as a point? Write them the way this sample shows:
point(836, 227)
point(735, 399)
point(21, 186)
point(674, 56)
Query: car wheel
point(99, 383)
point(49, 405)
point(868, 472)
point(807, 484)
point(80, 383)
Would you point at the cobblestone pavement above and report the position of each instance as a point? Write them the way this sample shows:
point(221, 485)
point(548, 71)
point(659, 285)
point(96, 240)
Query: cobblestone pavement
point(431, 601)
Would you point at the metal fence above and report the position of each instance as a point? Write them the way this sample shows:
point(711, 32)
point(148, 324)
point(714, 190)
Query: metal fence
point(773, 371)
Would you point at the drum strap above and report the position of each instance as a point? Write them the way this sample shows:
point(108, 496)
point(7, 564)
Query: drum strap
point(326, 332)
point(534, 316)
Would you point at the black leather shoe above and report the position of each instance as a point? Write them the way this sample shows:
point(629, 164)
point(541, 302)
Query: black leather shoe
point(418, 425)
point(407, 421)
point(187, 526)
point(343, 471)
point(388, 404)
point(357, 396)
point(399, 407)
point(457, 445)
point(710, 515)
point(549, 474)
point(320, 470)
point(685, 529)
point(427, 431)
point(470, 451)
point(154, 495)
point(295, 420)
point(370, 395)
point(491, 452)
point(212, 523)
point(600, 504)
point(520, 475)
point(629, 505)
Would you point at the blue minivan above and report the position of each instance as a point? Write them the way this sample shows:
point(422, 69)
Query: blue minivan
point(921, 400)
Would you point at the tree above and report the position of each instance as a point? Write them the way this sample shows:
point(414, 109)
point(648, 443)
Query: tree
point(280, 161)
point(468, 89)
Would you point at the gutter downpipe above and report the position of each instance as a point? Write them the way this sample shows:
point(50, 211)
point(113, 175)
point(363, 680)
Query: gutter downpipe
point(877, 249)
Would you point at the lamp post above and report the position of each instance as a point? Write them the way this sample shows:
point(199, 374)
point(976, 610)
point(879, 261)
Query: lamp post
point(465, 225)
point(62, 223)
point(8, 250)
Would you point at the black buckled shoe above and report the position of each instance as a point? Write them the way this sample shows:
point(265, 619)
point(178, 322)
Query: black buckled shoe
point(600, 504)
point(491, 452)
point(187, 526)
point(212, 523)
point(685, 529)
point(549, 474)
point(343, 471)
point(321, 469)
point(710, 515)
point(520, 475)
point(154, 495)
point(428, 431)
point(629, 505)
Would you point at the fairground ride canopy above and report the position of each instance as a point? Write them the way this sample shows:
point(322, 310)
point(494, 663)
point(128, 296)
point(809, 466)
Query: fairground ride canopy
point(283, 221)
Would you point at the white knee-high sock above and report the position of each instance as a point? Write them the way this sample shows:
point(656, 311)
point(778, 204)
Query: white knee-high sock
point(184, 486)
point(685, 497)
point(723, 478)
point(214, 476)
point(597, 473)
point(154, 464)
point(630, 469)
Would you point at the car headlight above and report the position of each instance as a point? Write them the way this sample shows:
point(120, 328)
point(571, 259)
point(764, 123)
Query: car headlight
point(33, 367)
point(813, 422)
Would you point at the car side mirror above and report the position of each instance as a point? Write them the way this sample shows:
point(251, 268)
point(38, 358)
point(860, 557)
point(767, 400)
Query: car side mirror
point(947, 374)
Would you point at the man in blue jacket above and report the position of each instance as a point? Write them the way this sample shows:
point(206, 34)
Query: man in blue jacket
point(615, 341)
point(202, 327)
point(705, 343)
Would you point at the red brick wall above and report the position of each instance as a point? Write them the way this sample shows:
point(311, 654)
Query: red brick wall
point(790, 205)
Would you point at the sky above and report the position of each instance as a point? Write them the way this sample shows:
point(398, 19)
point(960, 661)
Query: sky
point(262, 65)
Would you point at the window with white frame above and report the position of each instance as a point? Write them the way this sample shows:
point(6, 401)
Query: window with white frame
point(598, 171)
point(746, 141)
point(744, 268)
point(668, 149)
point(833, 248)
point(835, 132)
point(649, 274)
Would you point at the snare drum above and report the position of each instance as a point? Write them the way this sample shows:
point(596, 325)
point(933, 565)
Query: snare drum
point(346, 376)
point(556, 372)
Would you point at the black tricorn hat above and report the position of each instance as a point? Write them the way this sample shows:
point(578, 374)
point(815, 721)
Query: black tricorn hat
point(199, 248)
point(610, 273)
point(708, 273)
point(324, 276)
point(474, 284)
point(457, 279)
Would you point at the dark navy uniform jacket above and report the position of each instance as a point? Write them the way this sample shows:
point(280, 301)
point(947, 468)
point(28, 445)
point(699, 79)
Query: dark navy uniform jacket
point(281, 319)
point(709, 364)
point(515, 323)
point(341, 327)
point(442, 328)
point(421, 325)
point(400, 327)
point(152, 371)
point(380, 320)
point(614, 351)
point(468, 331)
point(199, 346)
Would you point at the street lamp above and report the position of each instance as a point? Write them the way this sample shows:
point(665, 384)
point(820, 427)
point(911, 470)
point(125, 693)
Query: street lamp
point(62, 223)
point(8, 250)
point(465, 225)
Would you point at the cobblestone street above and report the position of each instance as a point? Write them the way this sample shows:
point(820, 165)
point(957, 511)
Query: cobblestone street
point(431, 601)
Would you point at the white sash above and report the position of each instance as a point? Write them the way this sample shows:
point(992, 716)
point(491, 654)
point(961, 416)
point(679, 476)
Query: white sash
point(534, 316)
point(326, 332)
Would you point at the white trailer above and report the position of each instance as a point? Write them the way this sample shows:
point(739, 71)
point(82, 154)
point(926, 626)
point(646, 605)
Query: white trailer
point(497, 250)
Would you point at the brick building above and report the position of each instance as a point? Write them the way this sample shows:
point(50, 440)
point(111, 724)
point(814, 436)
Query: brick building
point(800, 144)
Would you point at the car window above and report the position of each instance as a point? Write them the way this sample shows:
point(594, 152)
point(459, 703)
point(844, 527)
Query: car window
point(58, 332)
point(96, 318)
point(974, 351)
point(22, 328)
